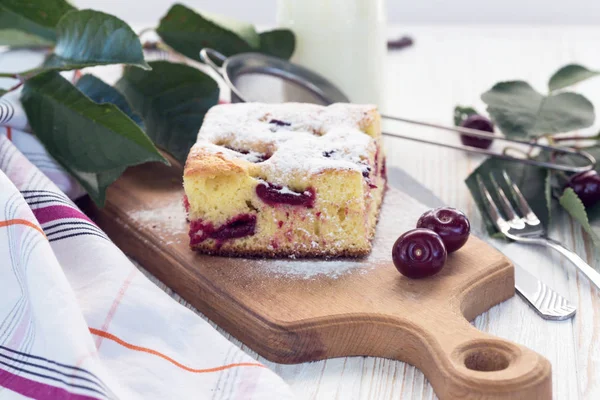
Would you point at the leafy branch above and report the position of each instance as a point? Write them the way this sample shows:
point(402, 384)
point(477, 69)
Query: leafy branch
point(172, 100)
point(520, 111)
point(188, 32)
point(90, 140)
point(94, 130)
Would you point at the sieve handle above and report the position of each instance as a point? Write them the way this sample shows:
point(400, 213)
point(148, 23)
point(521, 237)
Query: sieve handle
point(207, 55)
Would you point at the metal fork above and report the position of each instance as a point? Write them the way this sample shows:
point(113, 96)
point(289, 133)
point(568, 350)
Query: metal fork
point(526, 228)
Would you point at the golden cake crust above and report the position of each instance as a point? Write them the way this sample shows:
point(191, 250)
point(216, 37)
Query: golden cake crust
point(201, 161)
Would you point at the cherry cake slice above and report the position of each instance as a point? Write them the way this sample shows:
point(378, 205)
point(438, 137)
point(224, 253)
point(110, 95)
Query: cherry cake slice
point(285, 180)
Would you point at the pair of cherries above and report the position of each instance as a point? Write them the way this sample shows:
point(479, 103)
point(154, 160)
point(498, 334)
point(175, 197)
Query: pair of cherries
point(422, 252)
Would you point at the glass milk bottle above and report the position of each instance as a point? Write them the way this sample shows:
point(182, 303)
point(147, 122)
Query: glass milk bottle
point(343, 40)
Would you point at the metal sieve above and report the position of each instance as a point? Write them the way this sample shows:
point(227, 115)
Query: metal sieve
point(255, 77)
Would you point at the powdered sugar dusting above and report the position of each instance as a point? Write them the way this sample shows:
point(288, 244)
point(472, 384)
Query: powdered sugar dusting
point(304, 155)
point(295, 136)
point(399, 213)
point(167, 221)
point(286, 190)
point(252, 156)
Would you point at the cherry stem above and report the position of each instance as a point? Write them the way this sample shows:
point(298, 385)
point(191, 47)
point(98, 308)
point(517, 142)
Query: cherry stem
point(13, 76)
point(145, 30)
point(9, 75)
point(15, 87)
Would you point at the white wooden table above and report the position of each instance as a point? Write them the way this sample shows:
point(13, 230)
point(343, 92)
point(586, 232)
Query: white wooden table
point(449, 66)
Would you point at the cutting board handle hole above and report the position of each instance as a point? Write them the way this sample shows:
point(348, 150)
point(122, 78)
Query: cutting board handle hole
point(486, 359)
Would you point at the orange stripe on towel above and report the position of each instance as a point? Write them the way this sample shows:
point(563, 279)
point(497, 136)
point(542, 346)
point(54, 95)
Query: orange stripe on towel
point(130, 346)
point(9, 133)
point(21, 222)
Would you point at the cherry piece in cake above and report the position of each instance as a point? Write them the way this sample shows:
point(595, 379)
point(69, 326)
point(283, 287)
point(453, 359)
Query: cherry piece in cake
point(275, 194)
point(237, 227)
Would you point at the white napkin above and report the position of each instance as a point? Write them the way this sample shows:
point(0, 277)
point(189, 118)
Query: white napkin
point(77, 319)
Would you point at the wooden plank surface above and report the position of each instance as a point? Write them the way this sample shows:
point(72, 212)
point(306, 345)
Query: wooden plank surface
point(449, 66)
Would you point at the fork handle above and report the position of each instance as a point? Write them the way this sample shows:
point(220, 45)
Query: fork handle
point(579, 262)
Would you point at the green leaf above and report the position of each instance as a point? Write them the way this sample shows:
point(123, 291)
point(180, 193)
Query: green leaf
point(91, 141)
point(462, 113)
point(36, 17)
point(570, 75)
point(102, 93)
point(278, 43)
point(188, 32)
point(571, 202)
point(519, 110)
point(530, 180)
point(87, 38)
point(243, 29)
point(15, 39)
point(95, 184)
point(172, 99)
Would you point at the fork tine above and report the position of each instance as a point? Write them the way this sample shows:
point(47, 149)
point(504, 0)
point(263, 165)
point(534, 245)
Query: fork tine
point(491, 207)
point(526, 211)
point(509, 211)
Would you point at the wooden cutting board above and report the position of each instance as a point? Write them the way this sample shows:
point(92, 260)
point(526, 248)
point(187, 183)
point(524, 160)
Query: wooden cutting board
point(293, 311)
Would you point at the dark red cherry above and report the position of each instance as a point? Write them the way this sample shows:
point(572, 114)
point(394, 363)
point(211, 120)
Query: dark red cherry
point(186, 204)
point(400, 43)
point(274, 194)
point(587, 187)
point(258, 157)
point(279, 122)
point(480, 123)
point(419, 253)
point(237, 227)
point(452, 225)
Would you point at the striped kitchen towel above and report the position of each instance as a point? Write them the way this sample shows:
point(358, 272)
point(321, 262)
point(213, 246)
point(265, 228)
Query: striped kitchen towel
point(77, 319)
point(13, 124)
